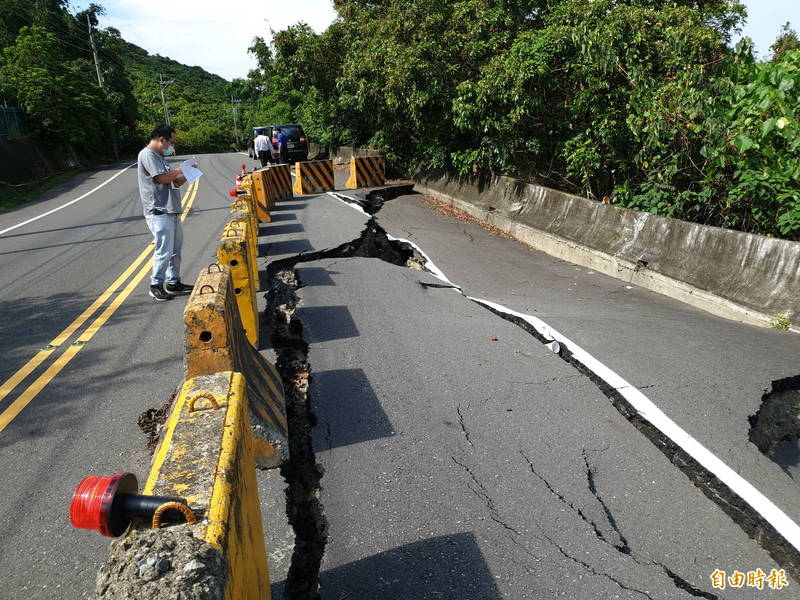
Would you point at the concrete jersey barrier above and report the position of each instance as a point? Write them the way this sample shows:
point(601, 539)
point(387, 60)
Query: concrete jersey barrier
point(215, 341)
point(366, 171)
point(207, 457)
point(741, 276)
point(312, 177)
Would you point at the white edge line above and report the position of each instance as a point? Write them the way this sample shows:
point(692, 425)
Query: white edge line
point(740, 486)
point(351, 205)
point(429, 264)
point(71, 202)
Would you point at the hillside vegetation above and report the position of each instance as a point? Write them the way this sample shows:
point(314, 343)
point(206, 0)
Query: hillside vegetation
point(645, 102)
point(47, 69)
point(642, 101)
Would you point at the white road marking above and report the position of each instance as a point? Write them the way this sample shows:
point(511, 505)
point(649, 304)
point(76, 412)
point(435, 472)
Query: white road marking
point(71, 202)
point(352, 202)
point(785, 526)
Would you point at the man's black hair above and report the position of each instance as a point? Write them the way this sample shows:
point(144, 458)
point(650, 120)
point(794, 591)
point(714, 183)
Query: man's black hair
point(277, 129)
point(164, 131)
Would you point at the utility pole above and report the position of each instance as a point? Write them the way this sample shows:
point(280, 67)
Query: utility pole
point(94, 51)
point(235, 120)
point(163, 84)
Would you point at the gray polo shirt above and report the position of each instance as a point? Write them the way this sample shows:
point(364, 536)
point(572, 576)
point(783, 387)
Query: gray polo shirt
point(163, 197)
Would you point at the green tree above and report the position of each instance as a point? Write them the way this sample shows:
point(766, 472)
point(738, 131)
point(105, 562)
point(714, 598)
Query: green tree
point(60, 95)
point(787, 40)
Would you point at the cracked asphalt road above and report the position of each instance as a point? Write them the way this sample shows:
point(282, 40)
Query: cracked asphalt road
point(465, 460)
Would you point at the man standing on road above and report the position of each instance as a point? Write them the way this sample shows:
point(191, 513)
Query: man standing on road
point(263, 147)
point(161, 201)
point(283, 150)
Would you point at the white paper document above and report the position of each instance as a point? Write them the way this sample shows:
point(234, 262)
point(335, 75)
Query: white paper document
point(191, 172)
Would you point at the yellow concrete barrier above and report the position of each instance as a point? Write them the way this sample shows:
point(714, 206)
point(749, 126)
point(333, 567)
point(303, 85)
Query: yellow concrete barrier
point(282, 180)
point(366, 171)
point(259, 203)
point(240, 215)
point(215, 341)
point(312, 177)
point(234, 251)
point(207, 457)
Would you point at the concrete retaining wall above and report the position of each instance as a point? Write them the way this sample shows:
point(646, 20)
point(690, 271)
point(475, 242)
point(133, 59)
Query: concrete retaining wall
point(26, 161)
point(339, 154)
point(736, 275)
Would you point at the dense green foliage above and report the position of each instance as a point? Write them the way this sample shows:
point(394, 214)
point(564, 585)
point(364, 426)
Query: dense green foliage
point(47, 69)
point(644, 101)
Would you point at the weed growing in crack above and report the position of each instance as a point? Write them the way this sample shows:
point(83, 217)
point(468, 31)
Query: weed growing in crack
point(780, 322)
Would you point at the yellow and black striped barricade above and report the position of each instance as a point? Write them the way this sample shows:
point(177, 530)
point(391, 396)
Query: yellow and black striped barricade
point(215, 341)
point(206, 457)
point(282, 180)
point(366, 171)
point(314, 176)
point(234, 250)
point(257, 189)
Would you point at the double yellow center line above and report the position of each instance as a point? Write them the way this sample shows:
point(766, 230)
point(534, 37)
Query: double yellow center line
point(16, 407)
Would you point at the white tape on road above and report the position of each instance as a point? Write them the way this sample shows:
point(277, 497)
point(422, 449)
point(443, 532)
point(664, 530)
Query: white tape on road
point(782, 523)
point(70, 203)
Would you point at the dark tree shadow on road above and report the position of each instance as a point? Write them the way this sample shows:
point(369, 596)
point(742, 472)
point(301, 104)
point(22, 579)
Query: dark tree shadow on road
point(347, 409)
point(449, 567)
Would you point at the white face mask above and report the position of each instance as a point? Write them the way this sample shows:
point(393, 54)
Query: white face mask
point(169, 151)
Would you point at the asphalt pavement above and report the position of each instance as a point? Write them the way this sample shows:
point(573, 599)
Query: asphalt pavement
point(84, 421)
point(463, 459)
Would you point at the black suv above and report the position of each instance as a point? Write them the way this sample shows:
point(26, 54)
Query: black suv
point(296, 140)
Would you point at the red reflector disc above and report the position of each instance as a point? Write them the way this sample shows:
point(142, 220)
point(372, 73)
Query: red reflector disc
point(93, 499)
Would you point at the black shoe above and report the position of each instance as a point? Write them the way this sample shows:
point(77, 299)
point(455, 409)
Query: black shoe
point(178, 288)
point(158, 292)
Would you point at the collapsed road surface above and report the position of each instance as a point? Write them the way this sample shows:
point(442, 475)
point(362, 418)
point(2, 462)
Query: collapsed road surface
point(462, 458)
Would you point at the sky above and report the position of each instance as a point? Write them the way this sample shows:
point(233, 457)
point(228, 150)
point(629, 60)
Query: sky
point(216, 35)
point(212, 35)
point(765, 19)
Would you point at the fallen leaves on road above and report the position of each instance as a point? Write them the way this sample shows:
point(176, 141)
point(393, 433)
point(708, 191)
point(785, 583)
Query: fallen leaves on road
point(448, 210)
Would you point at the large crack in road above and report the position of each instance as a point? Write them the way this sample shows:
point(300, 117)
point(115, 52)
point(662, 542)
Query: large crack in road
point(303, 475)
